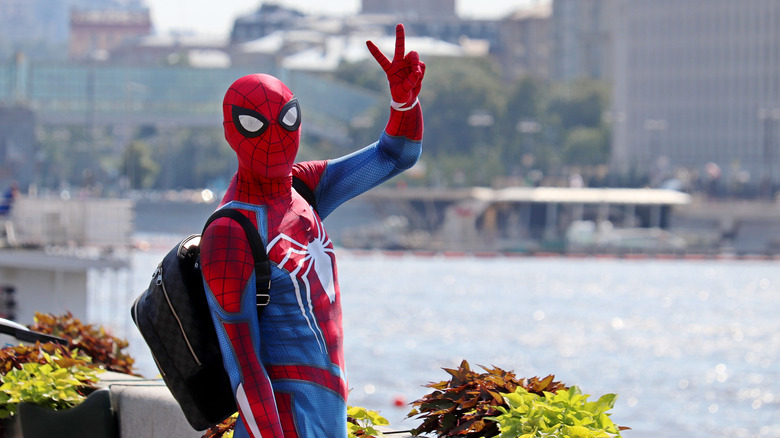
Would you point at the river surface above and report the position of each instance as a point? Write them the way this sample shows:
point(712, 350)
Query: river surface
point(692, 348)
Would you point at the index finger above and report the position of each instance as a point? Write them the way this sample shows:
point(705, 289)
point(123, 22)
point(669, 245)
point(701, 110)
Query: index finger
point(378, 55)
point(400, 42)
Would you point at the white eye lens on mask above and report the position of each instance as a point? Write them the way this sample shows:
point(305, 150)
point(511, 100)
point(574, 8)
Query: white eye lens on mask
point(290, 117)
point(248, 122)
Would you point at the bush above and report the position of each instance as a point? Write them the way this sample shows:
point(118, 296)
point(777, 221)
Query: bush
point(498, 404)
point(462, 406)
point(360, 424)
point(57, 376)
point(57, 380)
point(95, 342)
point(565, 414)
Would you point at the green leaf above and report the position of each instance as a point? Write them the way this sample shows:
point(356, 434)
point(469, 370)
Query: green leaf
point(361, 422)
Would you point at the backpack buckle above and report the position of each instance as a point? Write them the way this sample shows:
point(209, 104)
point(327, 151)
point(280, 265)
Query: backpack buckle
point(263, 299)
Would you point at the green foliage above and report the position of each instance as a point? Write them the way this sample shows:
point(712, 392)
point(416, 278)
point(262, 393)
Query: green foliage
point(586, 146)
point(366, 75)
point(454, 90)
point(361, 423)
point(13, 357)
point(52, 375)
point(565, 414)
point(195, 157)
point(462, 405)
point(138, 166)
point(474, 121)
point(60, 382)
point(75, 156)
point(104, 349)
point(579, 104)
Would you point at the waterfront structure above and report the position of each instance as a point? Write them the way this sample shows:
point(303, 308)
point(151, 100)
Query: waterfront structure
point(62, 245)
point(520, 218)
point(697, 85)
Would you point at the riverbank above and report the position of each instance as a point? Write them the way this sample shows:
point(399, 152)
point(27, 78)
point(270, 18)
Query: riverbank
point(754, 233)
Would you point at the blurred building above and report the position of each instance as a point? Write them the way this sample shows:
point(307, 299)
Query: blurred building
point(30, 20)
point(267, 19)
point(42, 28)
point(96, 32)
point(17, 145)
point(436, 9)
point(520, 41)
point(697, 85)
point(582, 38)
point(526, 44)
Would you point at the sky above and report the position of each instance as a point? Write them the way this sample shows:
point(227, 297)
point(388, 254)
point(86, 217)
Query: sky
point(215, 17)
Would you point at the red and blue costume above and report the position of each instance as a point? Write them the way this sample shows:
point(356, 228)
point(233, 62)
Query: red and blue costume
point(287, 369)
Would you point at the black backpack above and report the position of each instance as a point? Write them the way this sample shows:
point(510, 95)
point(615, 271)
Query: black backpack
point(174, 319)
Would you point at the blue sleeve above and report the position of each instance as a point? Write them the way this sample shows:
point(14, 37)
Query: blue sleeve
point(349, 176)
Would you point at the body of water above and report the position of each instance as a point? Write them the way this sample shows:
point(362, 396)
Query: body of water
point(692, 348)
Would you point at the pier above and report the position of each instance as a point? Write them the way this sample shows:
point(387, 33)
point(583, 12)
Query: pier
point(56, 243)
point(522, 218)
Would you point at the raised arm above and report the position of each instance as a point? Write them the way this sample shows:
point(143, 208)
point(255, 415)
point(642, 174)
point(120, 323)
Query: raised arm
point(400, 144)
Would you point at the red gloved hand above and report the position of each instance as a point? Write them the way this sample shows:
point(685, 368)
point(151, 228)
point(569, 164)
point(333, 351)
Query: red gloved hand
point(405, 73)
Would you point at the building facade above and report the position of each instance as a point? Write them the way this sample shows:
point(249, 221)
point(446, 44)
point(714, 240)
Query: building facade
point(101, 31)
point(526, 48)
point(582, 38)
point(697, 86)
point(410, 8)
point(267, 19)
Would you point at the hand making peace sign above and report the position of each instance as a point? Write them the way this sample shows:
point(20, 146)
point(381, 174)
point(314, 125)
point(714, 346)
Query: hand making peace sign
point(405, 73)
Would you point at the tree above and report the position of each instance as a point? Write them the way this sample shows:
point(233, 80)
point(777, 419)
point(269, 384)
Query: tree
point(585, 146)
point(575, 115)
point(579, 103)
point(192, 158)
point(139, 168)
point(524, 139)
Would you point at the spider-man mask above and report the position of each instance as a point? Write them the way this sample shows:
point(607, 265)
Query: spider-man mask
point(262, 121)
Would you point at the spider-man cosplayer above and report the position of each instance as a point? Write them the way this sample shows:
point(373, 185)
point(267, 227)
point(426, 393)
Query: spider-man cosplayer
point(287, 370)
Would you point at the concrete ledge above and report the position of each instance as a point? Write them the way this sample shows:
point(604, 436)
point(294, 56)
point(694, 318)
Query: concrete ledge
point(145, 408)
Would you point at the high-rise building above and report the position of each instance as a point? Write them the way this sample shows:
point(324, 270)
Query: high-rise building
point(525, 43)
point(697, 85)
point(582, 34)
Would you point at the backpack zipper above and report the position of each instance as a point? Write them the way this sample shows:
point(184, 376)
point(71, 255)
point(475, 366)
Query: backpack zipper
point(159, 281)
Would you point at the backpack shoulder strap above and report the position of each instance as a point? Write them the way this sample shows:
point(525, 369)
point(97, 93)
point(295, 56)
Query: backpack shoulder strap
point(262, 265)
point(304, 191)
